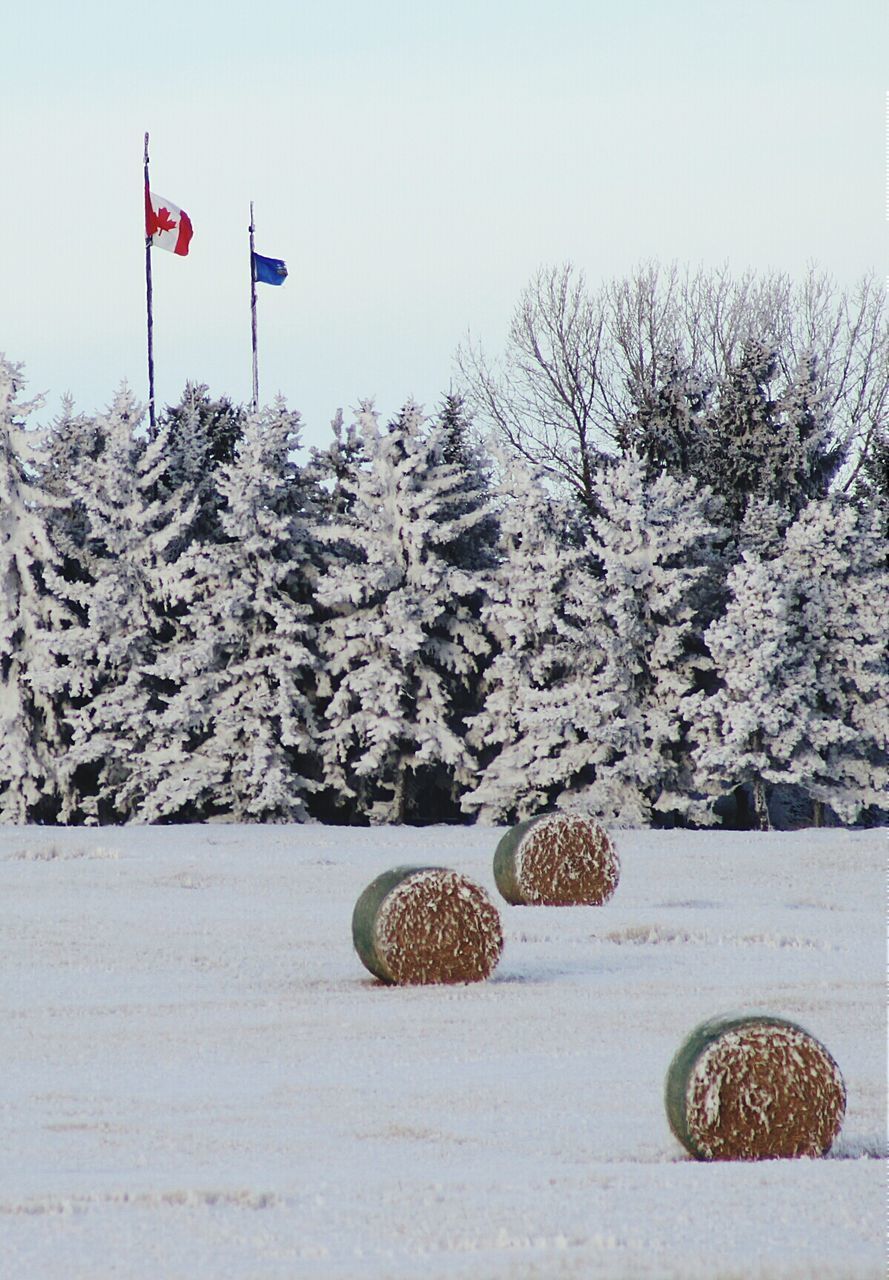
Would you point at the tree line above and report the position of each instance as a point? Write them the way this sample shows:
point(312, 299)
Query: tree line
point(638, 567)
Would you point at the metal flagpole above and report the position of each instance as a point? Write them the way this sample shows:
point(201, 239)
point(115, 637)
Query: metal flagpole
point(148, 301)
point(253, 315)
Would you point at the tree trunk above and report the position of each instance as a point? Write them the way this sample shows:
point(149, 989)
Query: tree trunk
point(399, 799)
point(818, 813)
point(742, 809)
point(760, 806)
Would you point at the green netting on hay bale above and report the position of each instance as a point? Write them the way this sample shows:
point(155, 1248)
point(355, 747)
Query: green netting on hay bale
point(754, 1087)
point(556, 859)
point(426, 925)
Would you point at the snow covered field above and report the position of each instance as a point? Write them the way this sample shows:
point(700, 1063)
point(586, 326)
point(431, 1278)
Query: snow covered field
point(200, 1079)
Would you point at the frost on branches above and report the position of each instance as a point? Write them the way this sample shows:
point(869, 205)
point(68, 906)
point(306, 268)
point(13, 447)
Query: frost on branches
point(235, 732)
point(801, 659)
point(193, 627)
point(532, 734)
point(202, 435)
point(770, 436)
point(402, 643)
point(657, 551)
point(112, 691)
point(30, 616)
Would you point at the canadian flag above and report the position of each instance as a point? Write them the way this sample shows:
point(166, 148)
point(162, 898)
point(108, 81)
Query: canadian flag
point(166, 225)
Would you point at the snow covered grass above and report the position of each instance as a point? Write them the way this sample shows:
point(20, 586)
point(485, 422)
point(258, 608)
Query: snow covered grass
point(201, 1079)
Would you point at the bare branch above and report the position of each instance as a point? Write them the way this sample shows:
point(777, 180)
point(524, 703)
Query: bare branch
point(578, 364)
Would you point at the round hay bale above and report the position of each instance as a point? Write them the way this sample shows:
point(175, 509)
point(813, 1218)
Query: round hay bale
point(426, 924)
point(557, 860)
point(754, 1088)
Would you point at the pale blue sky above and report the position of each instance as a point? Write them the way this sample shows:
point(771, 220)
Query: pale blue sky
point(414, 163)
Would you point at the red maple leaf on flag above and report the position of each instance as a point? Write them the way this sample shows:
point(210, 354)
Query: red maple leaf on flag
point(164, 221)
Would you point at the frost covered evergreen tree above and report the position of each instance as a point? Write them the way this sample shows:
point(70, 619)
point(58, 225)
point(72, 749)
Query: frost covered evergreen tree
point(475, 546)
point(235, 734)
point(669, 428)
point(117, 597)
point(757, 436)
point(769, 440)
point(469, 509)
point(738, 734)
point(801, 659)
point(31, 615)
point(658, 549)
point(533, 732)
point(762, 528)
point(809, 454)
point(203, 431)
point(72, 440)
point(873, 487)
point(401, 635)
point(334, 469)
point(744, 427)
point(202, 435)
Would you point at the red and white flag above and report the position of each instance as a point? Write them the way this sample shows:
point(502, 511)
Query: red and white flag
point(168, 226)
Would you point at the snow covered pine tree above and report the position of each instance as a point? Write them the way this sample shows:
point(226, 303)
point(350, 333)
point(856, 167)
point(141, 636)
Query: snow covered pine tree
point(112, 689)
point(543, 615)
point(236, 733)
point(401, 634)
point(658, 549)
point(801, 659)
point(31, 615)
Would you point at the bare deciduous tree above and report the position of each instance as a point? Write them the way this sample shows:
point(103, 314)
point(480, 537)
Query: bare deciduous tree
point(542, 398)
point(578, 364)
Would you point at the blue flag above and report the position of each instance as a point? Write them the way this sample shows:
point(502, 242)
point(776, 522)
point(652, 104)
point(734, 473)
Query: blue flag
point(269, 270)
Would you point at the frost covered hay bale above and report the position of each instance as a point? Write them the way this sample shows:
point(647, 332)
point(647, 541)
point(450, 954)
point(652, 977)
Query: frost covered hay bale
point(557, 860)
point(426, 924)
point(754, 1088)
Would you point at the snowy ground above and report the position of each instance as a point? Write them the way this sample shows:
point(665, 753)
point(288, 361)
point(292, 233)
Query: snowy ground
point(201, 1081)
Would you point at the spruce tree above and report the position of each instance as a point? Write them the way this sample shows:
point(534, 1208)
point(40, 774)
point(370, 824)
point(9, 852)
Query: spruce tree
point(738, 729)
point(203, 431)
point(872, 489)
point(669, 426)
point(118, 596)
point(658, 548)
point(401, 638)
point(835, 560)
point(202, 435)
point(32, 740)
point(532, 734)
point(759, 436)
point(769, 436)
point(475, 546)
point(809, 454)
point(333, 470)
point(801, 659)
point(72, 441)
point(234, 736)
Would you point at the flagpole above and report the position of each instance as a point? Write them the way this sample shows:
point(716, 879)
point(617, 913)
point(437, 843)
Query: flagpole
point(148, 302)
point(253, 316)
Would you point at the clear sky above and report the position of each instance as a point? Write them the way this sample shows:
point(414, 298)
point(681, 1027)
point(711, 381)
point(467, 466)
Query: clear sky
point(415, 163)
